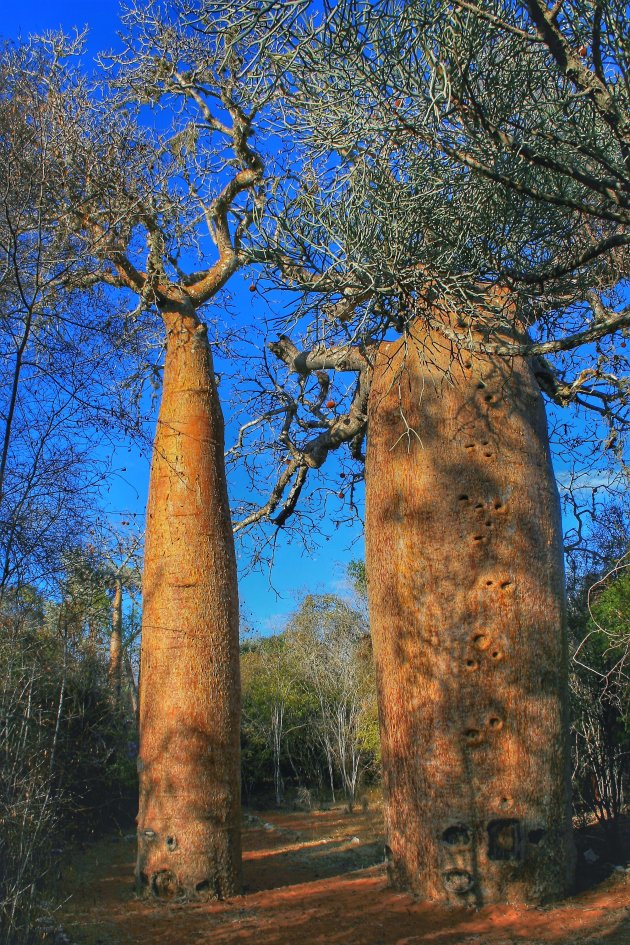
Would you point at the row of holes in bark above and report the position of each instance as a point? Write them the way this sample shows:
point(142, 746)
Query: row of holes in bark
point(488, 398)
point(165, 885)
point(505, 843)
point(488, 454)
point(484, 444)
point(505, 838)
point(483, 642)
point(496, 505)
point(475, 736)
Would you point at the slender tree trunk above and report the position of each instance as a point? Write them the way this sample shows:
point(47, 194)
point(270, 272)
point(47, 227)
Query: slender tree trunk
point(466, 593)
point(115, 641)
point(329, 761)
point(131, 685)
point(189, 764)
point(277, 722)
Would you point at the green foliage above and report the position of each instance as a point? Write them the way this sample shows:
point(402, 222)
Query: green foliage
point(599, 624)
point(358, 577)
point(610, 618)
point(309, 699)
point(272, 697)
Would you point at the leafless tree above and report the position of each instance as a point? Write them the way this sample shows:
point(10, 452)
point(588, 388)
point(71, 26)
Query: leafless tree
point(326, 636)
point(63, 374)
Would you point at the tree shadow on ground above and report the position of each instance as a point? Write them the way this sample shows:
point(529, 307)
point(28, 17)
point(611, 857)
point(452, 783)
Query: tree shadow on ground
point(297, 907)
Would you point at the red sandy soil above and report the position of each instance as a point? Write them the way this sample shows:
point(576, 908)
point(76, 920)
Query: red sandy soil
point(315, 879)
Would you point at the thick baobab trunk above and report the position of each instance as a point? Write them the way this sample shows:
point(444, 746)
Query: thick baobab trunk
point(115, 641)
point(466, 592)
point(189, 765)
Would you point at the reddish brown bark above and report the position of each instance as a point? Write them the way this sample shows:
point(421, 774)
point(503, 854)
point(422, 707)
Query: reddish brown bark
point(466, 590)
point(115, 641)
point(189, 817)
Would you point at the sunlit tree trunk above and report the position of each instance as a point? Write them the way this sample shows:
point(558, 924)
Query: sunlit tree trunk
point(115, 640)
point(466, 592)
point(189, 817)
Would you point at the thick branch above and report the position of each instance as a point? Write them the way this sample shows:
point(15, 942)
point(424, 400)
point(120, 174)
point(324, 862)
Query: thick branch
point(601, 326)
point(334, 358)
point(571, 65)
point(347, 428)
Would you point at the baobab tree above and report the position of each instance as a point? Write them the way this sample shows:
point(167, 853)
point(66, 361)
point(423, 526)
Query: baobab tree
point(163, 217)
point(189, 813)
point(466, 187)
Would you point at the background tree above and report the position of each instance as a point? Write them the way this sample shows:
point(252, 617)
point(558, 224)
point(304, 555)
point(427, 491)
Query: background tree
point(273, 710)
point(67, 761)
point(331, 642)
point(309, 699)
point(67, 756)
point(598, 608)
point(63, 378)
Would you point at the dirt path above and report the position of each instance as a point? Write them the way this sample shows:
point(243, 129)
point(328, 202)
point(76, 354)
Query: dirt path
point(316, 879)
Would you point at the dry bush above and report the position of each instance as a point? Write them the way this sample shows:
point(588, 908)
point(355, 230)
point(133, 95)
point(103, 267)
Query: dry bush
point(64, 764)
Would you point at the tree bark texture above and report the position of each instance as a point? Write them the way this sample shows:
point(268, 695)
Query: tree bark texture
point(466, 593)
point(189, 757)
point(115, 641)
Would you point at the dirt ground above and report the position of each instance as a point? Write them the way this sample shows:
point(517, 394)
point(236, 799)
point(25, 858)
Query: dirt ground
point(317, 878)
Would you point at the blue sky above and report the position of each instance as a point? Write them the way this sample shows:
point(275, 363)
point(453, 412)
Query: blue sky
point(33, 16)
point(266, 598)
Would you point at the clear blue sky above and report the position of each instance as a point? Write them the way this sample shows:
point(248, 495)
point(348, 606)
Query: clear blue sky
point(266, 598)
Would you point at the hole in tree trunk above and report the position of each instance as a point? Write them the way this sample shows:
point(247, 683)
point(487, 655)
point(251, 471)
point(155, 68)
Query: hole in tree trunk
point(458, 835)
point(164, 885)
point(535, 836)
point(504, 839)
point(457, 881)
